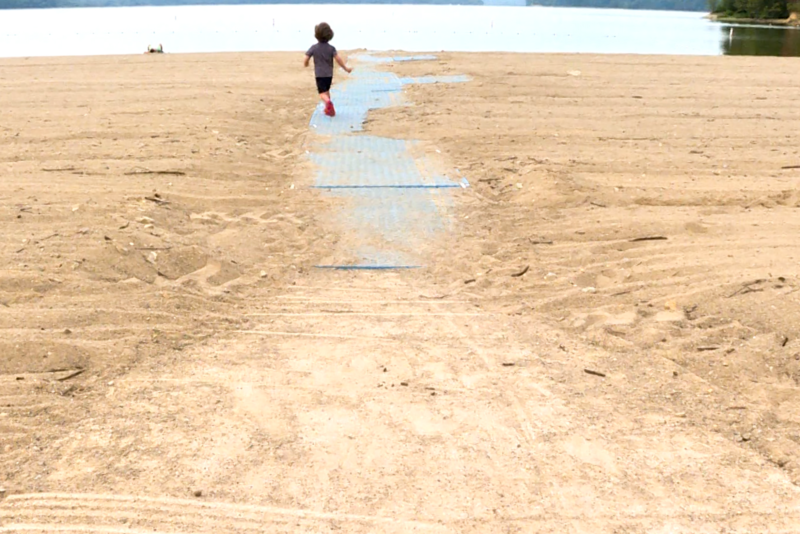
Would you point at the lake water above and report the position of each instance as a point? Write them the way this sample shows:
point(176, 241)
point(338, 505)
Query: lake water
point(417, 28)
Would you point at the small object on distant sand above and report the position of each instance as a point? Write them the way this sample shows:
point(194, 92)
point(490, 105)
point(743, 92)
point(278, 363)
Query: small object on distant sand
point(748, 288)
point(71, 375)
point(574, 73)
point(595, 373)
point(59, 169)
point(157, 199)
point(148, 171)
point(522, 272)
point(649, 238)
point(198, 493)
point(151, 50)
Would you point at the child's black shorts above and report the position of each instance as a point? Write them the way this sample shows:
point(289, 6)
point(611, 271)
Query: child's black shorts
point(324, 84)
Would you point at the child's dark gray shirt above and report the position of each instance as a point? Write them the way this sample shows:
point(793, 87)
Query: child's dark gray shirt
point(323, 54)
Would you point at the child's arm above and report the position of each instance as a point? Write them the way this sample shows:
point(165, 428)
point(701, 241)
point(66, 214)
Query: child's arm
point(341, 63)
point(305, 63)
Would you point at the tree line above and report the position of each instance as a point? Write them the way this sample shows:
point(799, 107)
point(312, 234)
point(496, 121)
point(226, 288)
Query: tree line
point(755, 9)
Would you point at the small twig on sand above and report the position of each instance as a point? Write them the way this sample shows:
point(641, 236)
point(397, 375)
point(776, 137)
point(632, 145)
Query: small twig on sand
point(56, 234)
point(60, 169)
point(523, 271)
point(157, 199)
point(71, 375)
point(147, 171)
point(791, 167)
point(595, 373)
point(747, 288)
point(649, 238)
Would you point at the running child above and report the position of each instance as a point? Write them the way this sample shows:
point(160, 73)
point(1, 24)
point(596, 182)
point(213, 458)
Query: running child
point(324, 54)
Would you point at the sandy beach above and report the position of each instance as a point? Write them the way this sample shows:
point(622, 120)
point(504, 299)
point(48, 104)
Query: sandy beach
point(605, 339)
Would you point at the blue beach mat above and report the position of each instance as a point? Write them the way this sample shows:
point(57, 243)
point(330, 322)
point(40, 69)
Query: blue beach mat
point(394, 203)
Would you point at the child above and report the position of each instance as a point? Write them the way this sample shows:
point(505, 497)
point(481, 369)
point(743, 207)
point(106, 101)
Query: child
point(324, 54)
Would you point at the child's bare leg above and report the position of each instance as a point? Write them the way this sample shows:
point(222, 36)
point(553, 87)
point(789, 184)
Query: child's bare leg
point(326, 99)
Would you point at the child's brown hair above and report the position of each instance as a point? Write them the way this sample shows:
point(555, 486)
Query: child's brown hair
point(323, 32)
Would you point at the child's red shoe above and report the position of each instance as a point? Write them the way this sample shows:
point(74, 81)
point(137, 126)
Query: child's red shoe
point(329, 110)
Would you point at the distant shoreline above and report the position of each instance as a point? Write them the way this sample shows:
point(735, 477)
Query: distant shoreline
point(790, 22)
